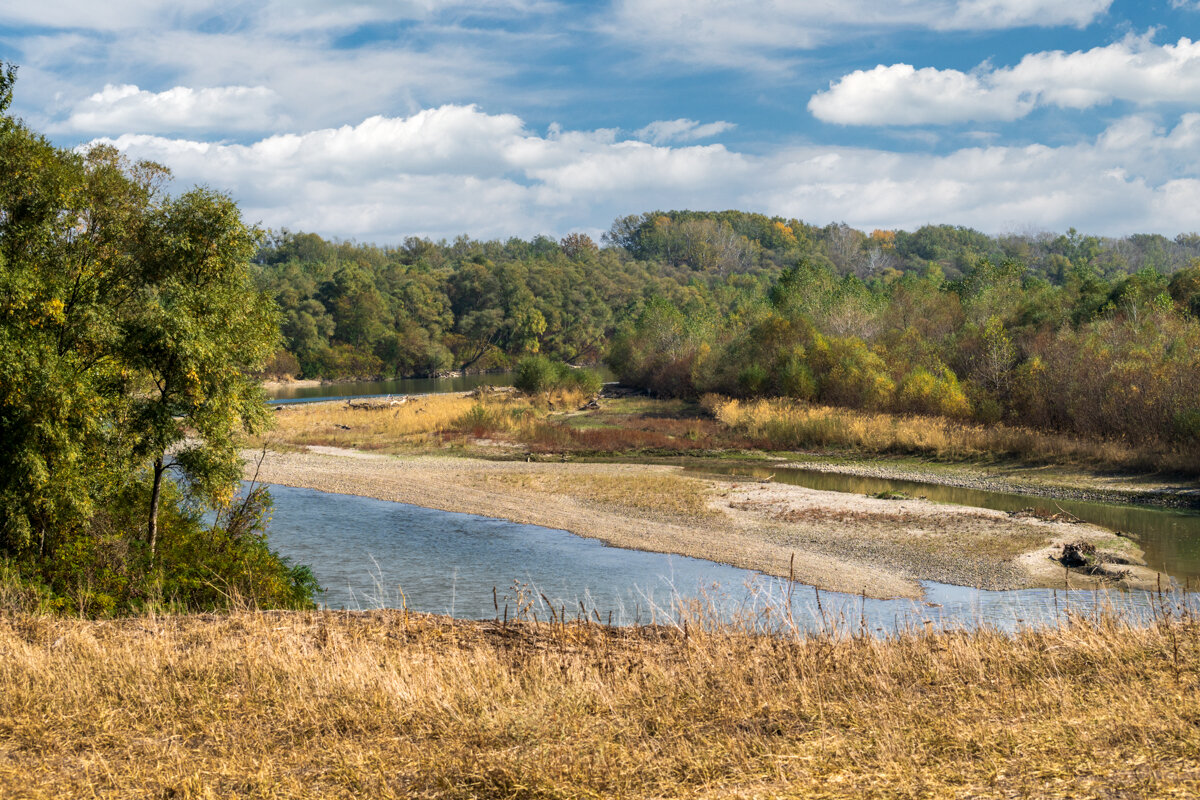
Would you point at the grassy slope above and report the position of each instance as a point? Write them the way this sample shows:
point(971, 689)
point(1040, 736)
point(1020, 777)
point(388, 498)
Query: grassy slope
point(385, 704)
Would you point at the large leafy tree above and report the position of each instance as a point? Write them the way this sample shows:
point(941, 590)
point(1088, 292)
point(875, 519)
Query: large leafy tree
point(196, 329)
point(68, 228)
point(128, 327)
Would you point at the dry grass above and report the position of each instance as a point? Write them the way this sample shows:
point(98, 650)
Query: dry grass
point(785, 424)
point(386, 704)
point(555, 424)
point(379, 425)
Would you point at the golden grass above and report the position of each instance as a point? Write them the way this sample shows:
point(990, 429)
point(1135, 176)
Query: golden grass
point(386, 704)
point(379, 425)
point(539, 425)
point(786, 424)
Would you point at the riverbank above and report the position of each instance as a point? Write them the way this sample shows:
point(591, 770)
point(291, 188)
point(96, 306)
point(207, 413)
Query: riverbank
point(836, 541)
point(1041, 480)
point(391, 704)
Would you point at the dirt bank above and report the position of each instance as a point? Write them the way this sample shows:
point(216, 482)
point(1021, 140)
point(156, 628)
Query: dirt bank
point(839, 541)
point(1057, 482)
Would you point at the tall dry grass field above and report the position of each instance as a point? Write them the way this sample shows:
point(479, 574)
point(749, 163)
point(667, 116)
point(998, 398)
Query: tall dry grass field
point(384, 704)
point(378, 424)
point(785, 424)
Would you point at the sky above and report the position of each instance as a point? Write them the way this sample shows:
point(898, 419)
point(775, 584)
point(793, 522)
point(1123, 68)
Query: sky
point(374, 120)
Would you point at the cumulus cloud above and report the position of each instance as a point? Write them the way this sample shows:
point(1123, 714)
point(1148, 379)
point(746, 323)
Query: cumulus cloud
point(901, 95)
point(681, 130)
point(128, 108)
point(1134, 70)
point(753, 34)
point(457, 169)
point(327, 63)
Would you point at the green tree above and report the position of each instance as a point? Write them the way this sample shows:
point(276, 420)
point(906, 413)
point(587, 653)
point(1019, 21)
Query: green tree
point(69, 225)
point(199, 330)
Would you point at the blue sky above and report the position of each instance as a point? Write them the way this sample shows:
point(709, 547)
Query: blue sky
point(380, 119)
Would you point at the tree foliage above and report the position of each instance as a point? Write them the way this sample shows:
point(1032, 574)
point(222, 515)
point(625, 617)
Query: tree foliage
point(129, 330)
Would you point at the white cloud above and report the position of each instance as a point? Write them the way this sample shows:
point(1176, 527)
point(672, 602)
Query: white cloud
point(1134, 70)
point(457, 169)
point(128, 108)
point(314, 85)
point(901, 95)
point(413, 53)
point(280, 15)
point(758, 35)
point(991, 14)
point(681, 130)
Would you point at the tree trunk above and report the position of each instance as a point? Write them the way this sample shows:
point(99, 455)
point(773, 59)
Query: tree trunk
point(155, 493)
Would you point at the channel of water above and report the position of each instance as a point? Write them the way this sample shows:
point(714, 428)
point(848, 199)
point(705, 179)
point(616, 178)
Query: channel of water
point(375, 554)
point(358, 390)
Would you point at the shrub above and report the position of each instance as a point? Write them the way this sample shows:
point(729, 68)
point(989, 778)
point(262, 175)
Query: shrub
point(796, 379)
point(539, 375)
point(482, 421)
point(752, 379)
point(1187, 425)
point(100, 571)
point(922, 392)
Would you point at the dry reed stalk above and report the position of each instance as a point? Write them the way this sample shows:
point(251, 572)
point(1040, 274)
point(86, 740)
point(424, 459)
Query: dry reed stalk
point(784, 424)
point(390, 704)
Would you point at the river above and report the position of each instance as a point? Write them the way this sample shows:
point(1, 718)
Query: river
point(360, 389)
point(376, 554)
point(1170, 538)
point(371, 553)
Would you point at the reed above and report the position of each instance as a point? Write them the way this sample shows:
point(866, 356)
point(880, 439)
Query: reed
point(392, 704)
point(379, 424)
point(784, 424)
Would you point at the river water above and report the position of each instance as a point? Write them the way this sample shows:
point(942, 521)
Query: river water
point(360, 389)
point(375, 554)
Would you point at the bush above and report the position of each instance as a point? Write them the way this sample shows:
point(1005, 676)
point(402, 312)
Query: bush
point(539, 375)
point(101, 571)
point(922, 392)
point(481, 421)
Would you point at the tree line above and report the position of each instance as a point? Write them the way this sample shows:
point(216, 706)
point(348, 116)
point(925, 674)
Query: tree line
point(1065, 332)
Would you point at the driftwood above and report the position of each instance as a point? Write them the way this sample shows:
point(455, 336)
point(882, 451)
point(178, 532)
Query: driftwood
point(1048, 516)
point(1078, 554)
point(376, 403)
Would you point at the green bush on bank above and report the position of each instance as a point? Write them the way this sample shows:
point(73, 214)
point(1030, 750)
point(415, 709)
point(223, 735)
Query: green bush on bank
point(99, 571)
point(538, 374)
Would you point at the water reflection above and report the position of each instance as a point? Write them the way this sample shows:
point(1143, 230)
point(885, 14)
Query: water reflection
point(370, 554)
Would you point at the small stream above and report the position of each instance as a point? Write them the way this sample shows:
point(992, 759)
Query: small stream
point(375, 554)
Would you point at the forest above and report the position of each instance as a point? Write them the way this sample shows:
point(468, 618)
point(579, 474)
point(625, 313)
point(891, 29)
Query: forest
point(1066, 332)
